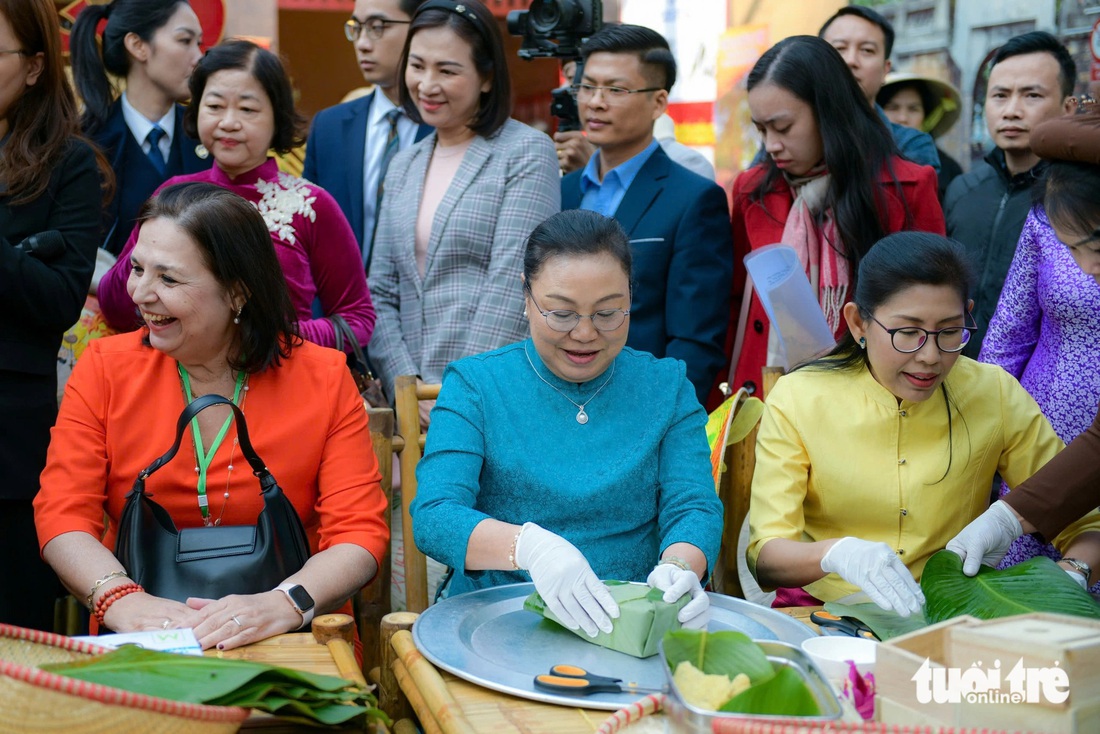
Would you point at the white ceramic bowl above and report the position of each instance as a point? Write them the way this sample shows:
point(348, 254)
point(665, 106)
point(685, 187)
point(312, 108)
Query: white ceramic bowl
point(831, 654)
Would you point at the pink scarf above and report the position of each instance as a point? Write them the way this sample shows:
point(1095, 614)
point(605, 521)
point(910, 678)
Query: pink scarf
point(817, 245)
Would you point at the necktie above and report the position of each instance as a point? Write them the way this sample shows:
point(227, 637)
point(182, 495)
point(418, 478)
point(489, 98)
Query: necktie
point(393, 143)
point(156, 157)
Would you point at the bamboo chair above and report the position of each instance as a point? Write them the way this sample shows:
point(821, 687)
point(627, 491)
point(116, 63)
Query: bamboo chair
point(372, 602)
point(735, 489)
point(409, 445)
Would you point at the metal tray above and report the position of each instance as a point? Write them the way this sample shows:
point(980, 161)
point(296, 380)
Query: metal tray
point(684, 718)
point(487, 638)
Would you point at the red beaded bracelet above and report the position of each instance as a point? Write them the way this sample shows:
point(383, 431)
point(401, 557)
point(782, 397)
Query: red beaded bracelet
point(113, 594)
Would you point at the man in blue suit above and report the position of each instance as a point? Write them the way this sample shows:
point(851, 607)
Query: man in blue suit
point(678, 222)
point(350, 144)
point(136, 176)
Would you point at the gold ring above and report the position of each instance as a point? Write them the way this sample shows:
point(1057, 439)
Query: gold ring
point(237, 621)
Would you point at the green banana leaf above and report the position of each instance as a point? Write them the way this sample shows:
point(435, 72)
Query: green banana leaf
point(775, 690)
point(884, 623)
point(718, 653)
point(1035, 585)
point(785, 693)
point(304, 697)
point(644, 617)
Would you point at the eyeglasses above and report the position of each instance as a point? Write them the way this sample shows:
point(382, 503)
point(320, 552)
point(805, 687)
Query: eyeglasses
point(19, 51)
point(375, 28)
point(909, 339)
point(565, 321)
point(611, 94)
point(1081, 243)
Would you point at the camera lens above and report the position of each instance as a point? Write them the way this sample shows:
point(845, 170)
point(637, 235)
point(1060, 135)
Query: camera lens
point(547, 16)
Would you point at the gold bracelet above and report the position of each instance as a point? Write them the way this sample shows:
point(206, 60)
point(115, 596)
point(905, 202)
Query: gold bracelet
point(95, 587)
point(678, 562)
point(512, 552)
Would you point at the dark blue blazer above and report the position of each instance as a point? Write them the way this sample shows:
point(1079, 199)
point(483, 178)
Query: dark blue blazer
point(136, 178)
point(335, 151)
point(679, 228)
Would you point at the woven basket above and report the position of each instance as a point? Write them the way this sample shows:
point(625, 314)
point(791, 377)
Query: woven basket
point(32, 700)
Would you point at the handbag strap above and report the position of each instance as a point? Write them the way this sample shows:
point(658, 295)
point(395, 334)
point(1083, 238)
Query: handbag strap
point(344, 333)
point(193, 409)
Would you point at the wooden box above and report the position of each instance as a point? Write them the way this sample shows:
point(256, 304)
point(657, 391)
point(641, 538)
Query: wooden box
point(1034, 672)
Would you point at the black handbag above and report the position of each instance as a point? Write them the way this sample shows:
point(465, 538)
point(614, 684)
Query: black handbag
point(369, 386)
point(210, 562)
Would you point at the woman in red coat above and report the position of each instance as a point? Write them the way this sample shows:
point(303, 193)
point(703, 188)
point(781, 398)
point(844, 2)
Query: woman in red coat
point(831, 186)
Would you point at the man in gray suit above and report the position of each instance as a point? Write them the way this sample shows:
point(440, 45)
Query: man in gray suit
point(350, 144)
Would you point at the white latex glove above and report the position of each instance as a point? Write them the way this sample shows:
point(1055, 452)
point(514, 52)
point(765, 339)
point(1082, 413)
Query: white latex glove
point(565, 581)
point(875, 568)
point(676, 582)
point(987, 538)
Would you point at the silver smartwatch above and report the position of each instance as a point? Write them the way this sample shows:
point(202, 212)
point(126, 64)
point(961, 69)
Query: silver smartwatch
point(300, 599)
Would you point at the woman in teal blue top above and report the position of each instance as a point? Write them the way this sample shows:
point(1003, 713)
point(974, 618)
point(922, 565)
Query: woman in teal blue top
point(567, 458)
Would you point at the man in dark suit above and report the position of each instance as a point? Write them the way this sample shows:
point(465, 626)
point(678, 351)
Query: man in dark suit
point(678, 221)
point(350, 144)
point(136, 175)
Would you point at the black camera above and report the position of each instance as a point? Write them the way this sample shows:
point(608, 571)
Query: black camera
point(555, 29)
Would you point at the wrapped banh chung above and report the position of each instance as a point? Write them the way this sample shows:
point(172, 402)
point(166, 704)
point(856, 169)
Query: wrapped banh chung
point(644, 618)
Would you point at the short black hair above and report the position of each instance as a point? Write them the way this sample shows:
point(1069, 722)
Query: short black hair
point(1041, 42)
point(575, 233)
point(236, 246)
point(482, 34)
point(648, 45)
point(871, 17)
point(266, 68)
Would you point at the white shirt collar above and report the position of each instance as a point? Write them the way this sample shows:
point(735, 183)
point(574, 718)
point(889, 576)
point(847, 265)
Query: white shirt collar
point(140, 125)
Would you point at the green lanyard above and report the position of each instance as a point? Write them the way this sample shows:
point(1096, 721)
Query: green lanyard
point(204, 459)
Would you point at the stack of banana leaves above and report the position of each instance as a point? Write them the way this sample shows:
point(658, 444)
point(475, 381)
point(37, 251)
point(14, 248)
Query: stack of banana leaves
point(1035, 585)
point(295, 695)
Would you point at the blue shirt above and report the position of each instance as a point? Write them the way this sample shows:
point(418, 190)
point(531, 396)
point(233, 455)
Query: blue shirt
point(605, 196)
point(623, 487)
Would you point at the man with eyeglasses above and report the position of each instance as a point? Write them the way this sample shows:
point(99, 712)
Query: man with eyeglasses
point(351, 144)
point(677, 221)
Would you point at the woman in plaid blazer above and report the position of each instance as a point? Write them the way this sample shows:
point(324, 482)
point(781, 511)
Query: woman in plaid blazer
point(459, 205)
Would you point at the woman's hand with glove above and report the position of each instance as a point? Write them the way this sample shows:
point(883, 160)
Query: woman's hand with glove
point(986, 539)
point(876, 569)
point(565, 581)
point(675, 582)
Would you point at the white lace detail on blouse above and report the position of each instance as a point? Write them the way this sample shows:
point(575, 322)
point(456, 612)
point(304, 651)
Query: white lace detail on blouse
point(281, 199)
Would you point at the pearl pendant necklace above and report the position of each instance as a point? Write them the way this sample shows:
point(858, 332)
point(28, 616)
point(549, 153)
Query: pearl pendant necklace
point(582, 415)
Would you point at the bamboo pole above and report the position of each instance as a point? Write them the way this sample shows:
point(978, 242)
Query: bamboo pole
point(407, 402)
point(391, 699)
point(447, 711)
point(423, 712)
point(769, 375)
point(404, 726)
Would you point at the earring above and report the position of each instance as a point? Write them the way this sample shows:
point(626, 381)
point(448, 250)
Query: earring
point(862, 342)
point(524, 313)
point(237, 318)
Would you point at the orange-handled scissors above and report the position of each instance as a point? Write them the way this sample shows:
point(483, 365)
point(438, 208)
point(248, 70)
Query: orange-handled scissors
point(574, 681)
point(846, 625)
